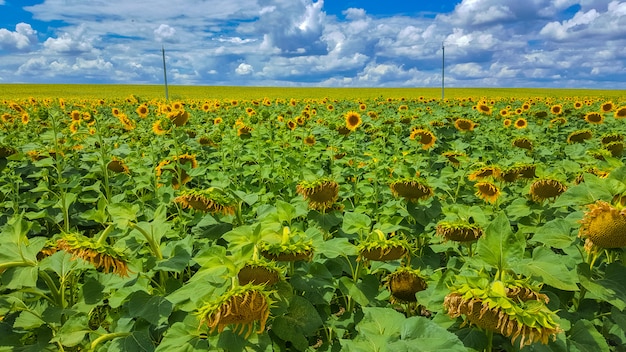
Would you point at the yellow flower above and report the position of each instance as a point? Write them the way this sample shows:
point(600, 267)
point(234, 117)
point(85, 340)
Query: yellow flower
point(426, 137)
point(487, 191)
point(353, 120)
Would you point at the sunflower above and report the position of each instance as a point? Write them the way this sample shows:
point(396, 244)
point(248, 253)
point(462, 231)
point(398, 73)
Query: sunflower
point(521, 123)
point(579, 136)
point(381, 248)
point(546, 189)
point(101, 255)
point(244, 131)
point(516, 311)
point(182, 159)
point(126, 121)
point(217, 120)
point(178, 117)
point(611, 137)
point(556, 109)
point(117, 165)
point(559, 121)
point(620, 112)
point(411, 189)
point(604, 225)
point(116, 111)
point(426, 137)
point(309, 140)
point(594, 118)
point(158, 129)
point(616, 148)
point(487, 191)
point(6, 150)
point(578, 105)
point(74, 126)
point(75, 115)
point(523, 142)
point(293, 247)
point(404, 283)
point(459, 231)
point(453, 156)
point(507, 122)
point(484, 172)
point(464, 124)
point(484, 109)
point(259, 272)
point(321, 194)
point(209, 200)
point(504, 112)
point(241, 306)
point(607, 107)
point(142, 110)
point(353, 120)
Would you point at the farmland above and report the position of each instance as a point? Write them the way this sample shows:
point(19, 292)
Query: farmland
point(261, 219)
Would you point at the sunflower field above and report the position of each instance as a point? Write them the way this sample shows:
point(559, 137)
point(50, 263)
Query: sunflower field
point(320, 224)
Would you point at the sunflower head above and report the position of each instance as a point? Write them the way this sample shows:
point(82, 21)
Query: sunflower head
point(611, 137)
point(425, 137)
point(353, 120)
point(620, 112)
point(453, 157)
point(242, 307)
point(6, 150)
point(463, 125)
point(404, 283)
point(411, 189)
point(594, 117)
point(604, 225)
point(546, 189)
point(579, 136)
point(380, 248)
point(178, 117)
point(211, 200)
point(523, 142)
point(521, 123)
point(321, 193)
point(515, 310)
point(101, 255)
point(607, 106)
point(460, 231)
point(616, 148)
point(117, 165)
point(487, 191)
point(491, 171)
point(259, 272)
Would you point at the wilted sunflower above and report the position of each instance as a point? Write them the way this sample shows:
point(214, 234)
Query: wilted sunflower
point(353, 120)
point(604, 226)
point(381, 248)
point(459, 231)
point(117, 165)
point(293, 247)
point(487, 191)
point(411, 189)
point(453, 156)
point(546, 189)
point(521, 123)
point(181, 159)
point(594, 117)
point(259, 272)
point(620, 113)
point(579, 136)
point(241, 306)
point(611, 137)
point(616, 148)
point(424, 137)
point(484, 172)
point(464, 124)
point(510, 174)
point(559, 121)
point(209, 200)
point(321, 194)
point(178, 117)
point(244, 131)
point(404, 283)
point(523, 142)
point(101, 255)
point(516, 311)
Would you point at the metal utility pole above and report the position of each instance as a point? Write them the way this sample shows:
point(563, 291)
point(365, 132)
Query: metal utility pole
point(443, 68)
point(164, 73)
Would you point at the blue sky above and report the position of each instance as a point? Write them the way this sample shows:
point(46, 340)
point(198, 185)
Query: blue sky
point(328, 43)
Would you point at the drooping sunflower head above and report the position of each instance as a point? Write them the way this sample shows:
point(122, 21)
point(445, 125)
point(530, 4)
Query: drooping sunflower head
point(620, 112)
point(321, 193)
point(101, 255)
point(611, 137)
point(118, 165)
point(523, 142)
point(211, 200)
point(7, 150)
point(463, 125)
point(453, 157)
point(460, 231)
point(294, 246)
point(487, 191)
point(579, 136)
point(594, 118)
point(546, 189)
point(604, 226)
point(616, 148)
point(353, 120)
point(242, 307)
point(485, 172)
point(259, 272)
point(425, 137)
point(379, 247)
point(178, 117)
point(516, 311)
point(411, 189)
point(404, 283)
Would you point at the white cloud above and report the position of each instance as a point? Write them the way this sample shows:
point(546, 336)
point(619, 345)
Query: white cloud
point(164, 33)
point(22, 38)
point(244, 69)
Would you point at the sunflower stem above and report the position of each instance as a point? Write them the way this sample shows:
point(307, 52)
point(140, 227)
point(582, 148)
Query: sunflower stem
point(489, 341)
point(103, 236)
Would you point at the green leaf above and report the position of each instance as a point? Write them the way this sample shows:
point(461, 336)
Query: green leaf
point(584, 337)
point(286, 212)
point(500, 247)
point(137, 341)
point(28, 320)
point(73, 332)
point(300, 322)
point(336, 247)
point(611, 288)
point(355, 222)
point(550, 268)
point(555, 233)
point(422, 334)
point(152, 308)
point(123, 213)
point(184, 336)
point(19, 277)
point(363, 292)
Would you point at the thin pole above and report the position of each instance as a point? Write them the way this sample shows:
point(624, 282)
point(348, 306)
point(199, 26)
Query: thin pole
point(164, 73)
point(443, 66)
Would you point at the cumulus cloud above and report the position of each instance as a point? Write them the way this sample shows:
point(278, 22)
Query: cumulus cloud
point(165, 33)
point(244, 69)
point(22, 38)
point(74, 43)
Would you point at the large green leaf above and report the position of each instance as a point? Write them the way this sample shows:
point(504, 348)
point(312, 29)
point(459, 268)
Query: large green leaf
point(355, 222)
point(422, 334)
point(300, 322)
point(583, 337)
point(154, 309)
point(549, 267)
point(555, 233)
point(184, 336)
point(336, 247)
point(611, 288)
point(499, 247)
